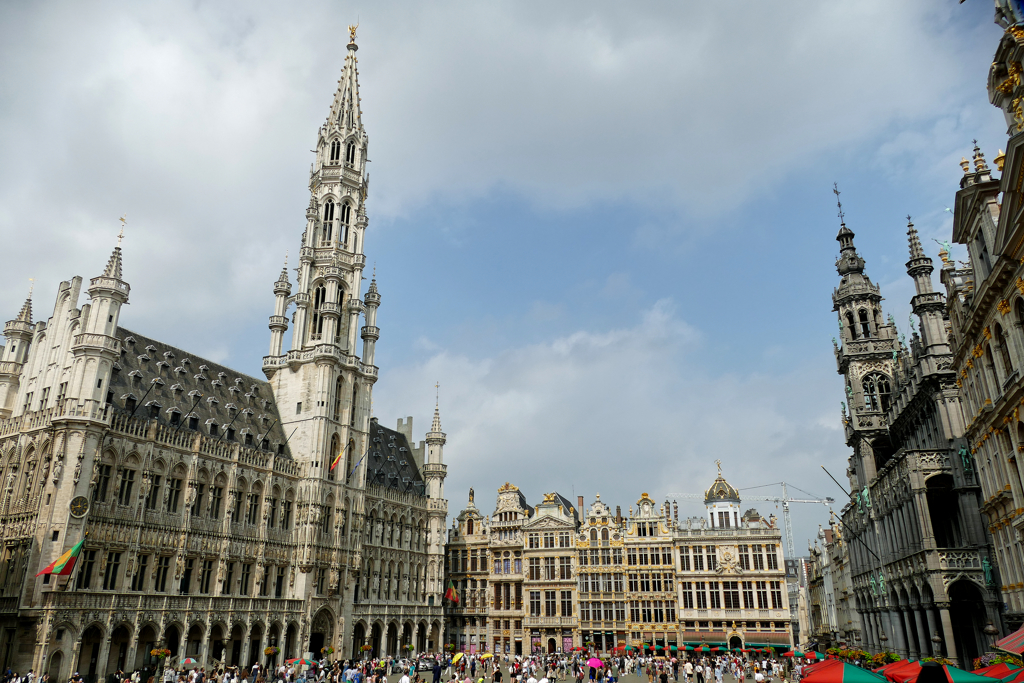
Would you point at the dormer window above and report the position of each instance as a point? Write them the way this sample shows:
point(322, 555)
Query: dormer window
point(129, 403)
point(230, 434)
point(154, 409)
point(212, 425)
point(193, 422)
point(150, 348)
point(186, 361)
point(175, 416)
point(248, 438)
point(168, 354)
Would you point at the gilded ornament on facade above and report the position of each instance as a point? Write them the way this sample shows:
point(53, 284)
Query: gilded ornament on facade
point(1003, 306)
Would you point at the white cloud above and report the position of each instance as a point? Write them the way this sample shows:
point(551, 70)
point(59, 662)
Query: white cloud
point(623, 411)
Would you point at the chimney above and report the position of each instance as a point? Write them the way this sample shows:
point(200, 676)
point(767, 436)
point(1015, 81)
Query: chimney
point(579, 503)
point(618, 514)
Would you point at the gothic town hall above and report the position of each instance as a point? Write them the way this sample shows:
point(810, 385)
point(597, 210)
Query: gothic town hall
point(224, 517)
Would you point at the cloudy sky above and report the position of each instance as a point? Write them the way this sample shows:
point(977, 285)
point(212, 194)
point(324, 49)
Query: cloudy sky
point(607, 229)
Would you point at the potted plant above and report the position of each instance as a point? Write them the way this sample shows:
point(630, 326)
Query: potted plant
point(272, 650)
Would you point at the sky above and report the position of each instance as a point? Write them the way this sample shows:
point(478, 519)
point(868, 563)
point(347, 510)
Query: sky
point(605, 229)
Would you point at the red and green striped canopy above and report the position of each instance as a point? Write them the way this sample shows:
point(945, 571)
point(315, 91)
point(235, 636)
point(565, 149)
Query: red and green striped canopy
point(841, 672)
point(1000, 670)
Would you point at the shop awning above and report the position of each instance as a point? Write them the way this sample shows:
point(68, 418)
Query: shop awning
point(1013, 643)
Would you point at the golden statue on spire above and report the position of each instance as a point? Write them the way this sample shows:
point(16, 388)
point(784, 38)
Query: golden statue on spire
point(352, 32)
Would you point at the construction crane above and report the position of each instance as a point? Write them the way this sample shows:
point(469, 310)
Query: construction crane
point(784, 499)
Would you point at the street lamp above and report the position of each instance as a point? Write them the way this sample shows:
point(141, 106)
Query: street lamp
point(883, 638)
point(991, 631)
point(937, 642)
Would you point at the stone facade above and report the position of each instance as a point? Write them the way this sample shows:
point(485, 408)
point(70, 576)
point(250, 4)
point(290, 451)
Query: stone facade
point(915, 538)
point(545, 579)
point(221, 514)
point(986, 309)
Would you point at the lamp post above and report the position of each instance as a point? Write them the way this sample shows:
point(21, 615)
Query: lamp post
point(991, 631)
point(883, 639)
point(937, 641)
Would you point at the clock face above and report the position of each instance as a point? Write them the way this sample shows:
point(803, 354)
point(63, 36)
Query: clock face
point(79, 506)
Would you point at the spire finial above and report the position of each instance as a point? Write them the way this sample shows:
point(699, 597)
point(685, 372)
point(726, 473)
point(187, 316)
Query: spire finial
point(435, 427)
point(842, 216)
point(286, 259)
point(719, 462)
point(352, 32)
point(120, 235)
point(25, 314)
point(979, 159)
point(916, 252)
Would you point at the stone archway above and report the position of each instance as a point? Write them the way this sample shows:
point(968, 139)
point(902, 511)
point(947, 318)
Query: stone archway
point(967, 612)
point(392, 646)
point(321, 632)
point(358, 636)
point(117, 658)
point(376, 633)
point(54, 667)
point(144, 644)
point(89, 653)
point(735, 643)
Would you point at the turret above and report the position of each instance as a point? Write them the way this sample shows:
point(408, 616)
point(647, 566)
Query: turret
point(928, 304)
point(279, 321)
point(722, 501)
point(19, 337)
point(371, 333)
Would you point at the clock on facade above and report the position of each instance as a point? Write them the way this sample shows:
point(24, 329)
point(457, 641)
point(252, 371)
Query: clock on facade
point(79, 506)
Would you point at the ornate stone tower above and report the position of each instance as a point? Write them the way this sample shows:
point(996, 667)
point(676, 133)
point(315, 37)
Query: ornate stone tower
point(434, 472)
point(322, 385)
point(864, 357)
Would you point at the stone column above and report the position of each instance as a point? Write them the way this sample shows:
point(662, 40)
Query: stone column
point(912, 648)
point(947, 632)
point(204, 649)
point(101, 661)
point(131, 652)
point(929, 614)
point(923, 642)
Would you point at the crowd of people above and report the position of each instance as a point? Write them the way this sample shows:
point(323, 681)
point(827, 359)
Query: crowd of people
point(575, 667)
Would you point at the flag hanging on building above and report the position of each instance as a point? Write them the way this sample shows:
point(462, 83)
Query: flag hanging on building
point(451, 593)
point(337, 460)
point(64, 564)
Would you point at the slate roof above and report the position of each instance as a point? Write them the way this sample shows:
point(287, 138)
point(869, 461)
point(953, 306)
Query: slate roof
point(564, 502)
point(190, 385)
point(389, 461)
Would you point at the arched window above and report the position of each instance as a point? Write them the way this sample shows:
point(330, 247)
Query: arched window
point(346, 219)
point(593, 534)
point(335, 150)
point(339, 384)
point(1004, 351)
point(469, 529)
point(352, 416)
point(351, 449)
point(877, 392)
point(317, 321)
point(332, 454)
point(328, 220)
point(350, 153)
point(865, 326)
point(850, 325)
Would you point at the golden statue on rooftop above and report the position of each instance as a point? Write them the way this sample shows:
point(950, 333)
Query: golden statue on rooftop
point(352, 32)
